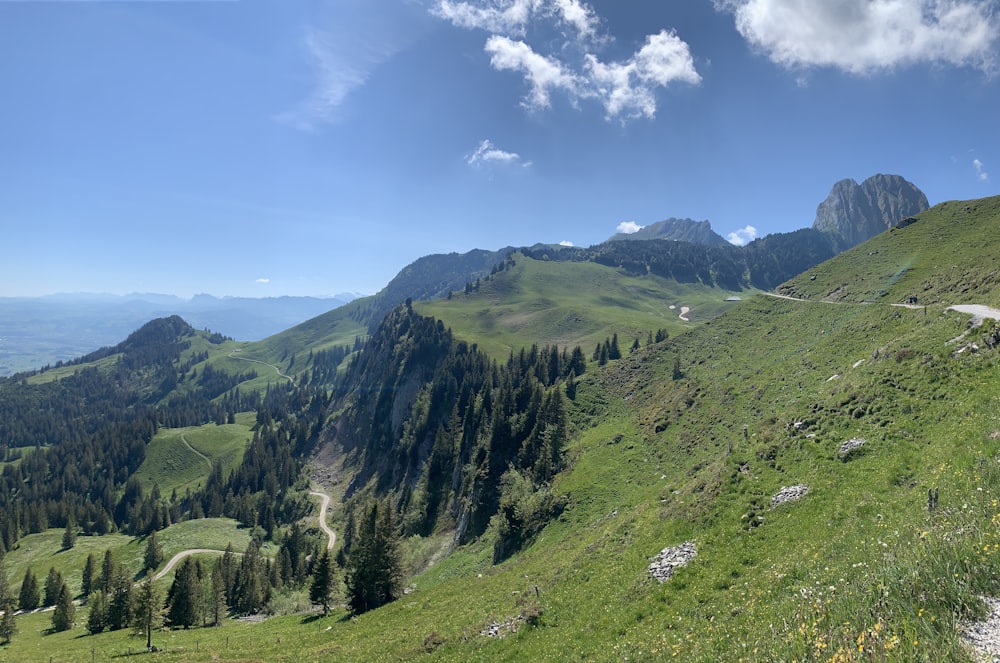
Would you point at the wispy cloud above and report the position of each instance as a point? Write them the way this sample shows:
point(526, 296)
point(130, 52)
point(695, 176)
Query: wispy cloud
point(867, 36)
point(743, 236)
point(628, 227)
point(487, 153)
point(343, 47)
point(980, 170)
point(625, 88)
point(262, 281)
point(339, 69)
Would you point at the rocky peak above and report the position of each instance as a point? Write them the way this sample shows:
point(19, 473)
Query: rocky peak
point(681, 230)
point(857, 212)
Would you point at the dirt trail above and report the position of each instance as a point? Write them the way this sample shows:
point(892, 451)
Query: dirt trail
point(207, 460)
point(186, 553)
point(324, 504)
point(233, 355)
point(331, 535)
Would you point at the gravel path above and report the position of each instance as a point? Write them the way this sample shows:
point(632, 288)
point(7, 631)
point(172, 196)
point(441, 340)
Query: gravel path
point(977, 311)
point(324, 504)
point(984, 637)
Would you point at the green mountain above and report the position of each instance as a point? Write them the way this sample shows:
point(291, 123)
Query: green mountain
point(941, 256)
point(780, 479)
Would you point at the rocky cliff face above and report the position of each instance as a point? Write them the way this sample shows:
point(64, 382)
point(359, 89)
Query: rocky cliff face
point(682, 230)
point(856, 212)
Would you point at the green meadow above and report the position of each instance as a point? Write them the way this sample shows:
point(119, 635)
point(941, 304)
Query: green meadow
point(572, 303)
point(180, 458)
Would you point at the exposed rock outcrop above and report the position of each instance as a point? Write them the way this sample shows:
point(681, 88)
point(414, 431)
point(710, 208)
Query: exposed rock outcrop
point(857, 212)
point(789, 493)
point(682, 230)
point(663, 565)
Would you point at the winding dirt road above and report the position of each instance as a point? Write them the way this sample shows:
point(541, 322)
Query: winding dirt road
point(324, 504)
point(232, 355)
point(331, 536)
point(186, 553)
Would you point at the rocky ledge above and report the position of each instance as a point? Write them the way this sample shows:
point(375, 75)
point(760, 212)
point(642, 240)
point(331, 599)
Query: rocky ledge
point(663, 565)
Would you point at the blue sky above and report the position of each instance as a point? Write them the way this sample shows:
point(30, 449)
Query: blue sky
point(314, 147)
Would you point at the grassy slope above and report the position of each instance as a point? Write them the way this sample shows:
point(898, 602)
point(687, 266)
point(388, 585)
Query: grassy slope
point(44, 550)
point(173, 465)
point(335, 328)
point(571, 304)
point(939, 259)
point(858, 569)
point(816, 576)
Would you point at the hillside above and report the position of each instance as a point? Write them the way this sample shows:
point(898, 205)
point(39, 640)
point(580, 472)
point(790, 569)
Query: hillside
point(573, 303)
point(942, 256)
point(811, 480)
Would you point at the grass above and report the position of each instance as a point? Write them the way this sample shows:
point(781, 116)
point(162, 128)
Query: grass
point(946, 257)
point(179, 458)
point(44, 550)
point(859, 557)
point(859, 569)
point(569, 304)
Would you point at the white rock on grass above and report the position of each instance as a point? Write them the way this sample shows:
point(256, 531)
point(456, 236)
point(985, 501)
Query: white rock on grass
point(851, 445)
point(663, 565)
point(789, 493)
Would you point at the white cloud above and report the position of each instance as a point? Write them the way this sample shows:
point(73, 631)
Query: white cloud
point(579, 16)
point(513, 17)
point(565, 242)
point(866, 36)
point(628, 227)
point(487, 152)
point(262, 281)
point(498, 16)
point(980, 170)
point(743, 236)
point(542, 73)
point(626, 89)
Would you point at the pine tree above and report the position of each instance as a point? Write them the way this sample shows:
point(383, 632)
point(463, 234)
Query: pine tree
point(613, 351)
point(119, 602)
point(5, 595)
point(374, 575)
point(53, 583)
point(321, 590)
point(215, 606)
point(28, 598)
point(8, 624)
point(183, 597)
point(107, 573)
point(62, 616)
point(87, 581)
point(147, 610)
point(97, 618)
point(69, 535)
point(153, 556)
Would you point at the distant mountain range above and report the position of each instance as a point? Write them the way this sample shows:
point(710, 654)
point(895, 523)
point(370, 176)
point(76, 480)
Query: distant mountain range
point(39, 331)
point(35, 331)
point(851, 214)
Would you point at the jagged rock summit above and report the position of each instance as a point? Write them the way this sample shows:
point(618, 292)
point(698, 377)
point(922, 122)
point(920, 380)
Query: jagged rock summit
point(682, 230)
point(857, 212)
